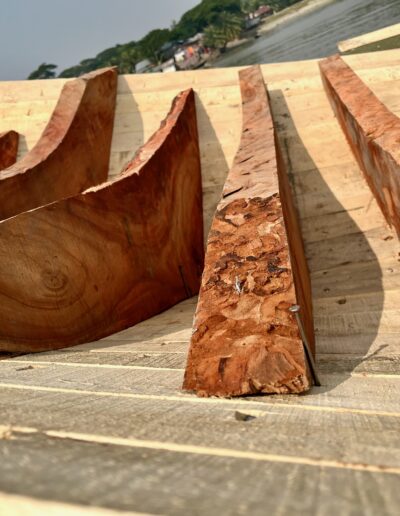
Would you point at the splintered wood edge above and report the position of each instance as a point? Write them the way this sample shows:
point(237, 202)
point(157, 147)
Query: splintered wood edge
point(184, 283)
point(257, 204)
point(57, 167)
point(372, 131)
point(8, 148)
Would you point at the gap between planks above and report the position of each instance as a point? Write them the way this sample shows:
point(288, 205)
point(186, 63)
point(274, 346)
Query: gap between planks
point(355, 374)
point(201, 450)
point(194, 399)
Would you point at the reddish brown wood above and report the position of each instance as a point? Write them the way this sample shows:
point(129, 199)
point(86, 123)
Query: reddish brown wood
point(372, 131)
point(93, 264)
point(73, 152)
point(8, 148)
point(245, 340)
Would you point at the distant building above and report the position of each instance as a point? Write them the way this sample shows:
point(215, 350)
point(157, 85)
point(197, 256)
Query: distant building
point(263, 11)
point(253, 19)
point(168, 50)
point(143, 66)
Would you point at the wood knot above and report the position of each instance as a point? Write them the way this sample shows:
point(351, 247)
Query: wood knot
point(54, 279)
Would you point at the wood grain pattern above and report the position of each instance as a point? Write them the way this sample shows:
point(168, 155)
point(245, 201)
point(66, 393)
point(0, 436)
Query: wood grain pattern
point(245, 340)
point(372, 131)
point(73, 152)
point(8, 148)
point(90, 265)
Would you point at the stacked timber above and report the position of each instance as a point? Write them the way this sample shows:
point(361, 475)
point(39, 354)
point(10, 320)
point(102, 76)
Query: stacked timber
point(118, 253)
point(245, 337)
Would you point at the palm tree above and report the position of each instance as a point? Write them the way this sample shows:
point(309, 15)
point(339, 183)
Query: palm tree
point(44, 71)
point(227, 28)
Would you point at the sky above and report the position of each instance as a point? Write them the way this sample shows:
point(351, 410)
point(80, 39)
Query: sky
point(64, 32)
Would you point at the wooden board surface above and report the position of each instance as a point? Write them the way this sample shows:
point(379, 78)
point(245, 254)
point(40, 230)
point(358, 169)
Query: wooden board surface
point(72, 153)
point(96, 430)
point(370, 38)
point(245, 338)
point(118, 253)
point(372, 131)
point(8, 148)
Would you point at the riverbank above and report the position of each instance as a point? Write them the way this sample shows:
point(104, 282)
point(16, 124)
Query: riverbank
point(290, 13)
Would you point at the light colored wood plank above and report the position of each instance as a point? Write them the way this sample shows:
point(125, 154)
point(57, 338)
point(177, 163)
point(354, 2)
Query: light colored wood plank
point(131, 475)
point(370, 37)
point(215, 426)
point(27, 506)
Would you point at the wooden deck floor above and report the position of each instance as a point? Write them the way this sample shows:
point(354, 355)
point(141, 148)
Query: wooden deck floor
point(106, 425)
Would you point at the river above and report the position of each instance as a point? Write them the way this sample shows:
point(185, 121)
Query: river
point(315, 34)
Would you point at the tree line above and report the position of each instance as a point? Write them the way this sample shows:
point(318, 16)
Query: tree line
point(220, 20)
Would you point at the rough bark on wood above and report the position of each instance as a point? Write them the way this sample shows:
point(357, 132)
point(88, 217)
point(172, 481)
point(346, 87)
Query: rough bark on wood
point(8, 149)
point(73, 152)
point(90, 265)
point(372, 131)
point(245, 341)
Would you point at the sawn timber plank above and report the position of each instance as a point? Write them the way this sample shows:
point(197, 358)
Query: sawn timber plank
point(245, 340)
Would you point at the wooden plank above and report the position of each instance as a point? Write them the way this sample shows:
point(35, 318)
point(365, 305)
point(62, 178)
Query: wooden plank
point(213, 426)
point(8, 148)
point(143, 480)
point(161, 359)
point(371, 130)
point(73, 152)
point(27, 506)
point(337, 390)
point(245, 340)
point(112, 256)
point(371, 37)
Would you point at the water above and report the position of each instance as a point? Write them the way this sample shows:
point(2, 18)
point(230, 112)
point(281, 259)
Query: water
point(316, 33)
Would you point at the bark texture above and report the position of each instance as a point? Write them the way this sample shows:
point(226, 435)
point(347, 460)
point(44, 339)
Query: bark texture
point(84, 267)
point(372, 131)
point(245, 340)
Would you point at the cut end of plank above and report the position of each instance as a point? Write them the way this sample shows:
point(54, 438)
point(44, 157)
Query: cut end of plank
point(245, 339)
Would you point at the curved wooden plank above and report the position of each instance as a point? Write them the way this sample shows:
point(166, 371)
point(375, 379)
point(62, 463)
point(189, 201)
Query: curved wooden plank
point(245, 340)
point(73, 152)
point(90, 265)
point(372, 131)
point(8, 148)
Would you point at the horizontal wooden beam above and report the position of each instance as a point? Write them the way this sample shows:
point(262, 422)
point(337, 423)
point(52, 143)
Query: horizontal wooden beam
point(90, 265)
point(372, 131)
point(73, 152)
point(365, 41)
point(245, 339)
point(8, 149)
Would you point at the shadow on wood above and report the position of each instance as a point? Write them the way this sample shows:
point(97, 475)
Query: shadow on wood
point(245, 340)
point(112, 256)
point(8, 149)
point(73, 152)
point(344, 268)
point(372, 131)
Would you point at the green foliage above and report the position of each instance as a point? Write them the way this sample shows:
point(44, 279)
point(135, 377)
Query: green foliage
point(219, 19)
point(44, 71)
point(249, 6)
point(151, 44)
point(202, 16)
point(227, 27)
